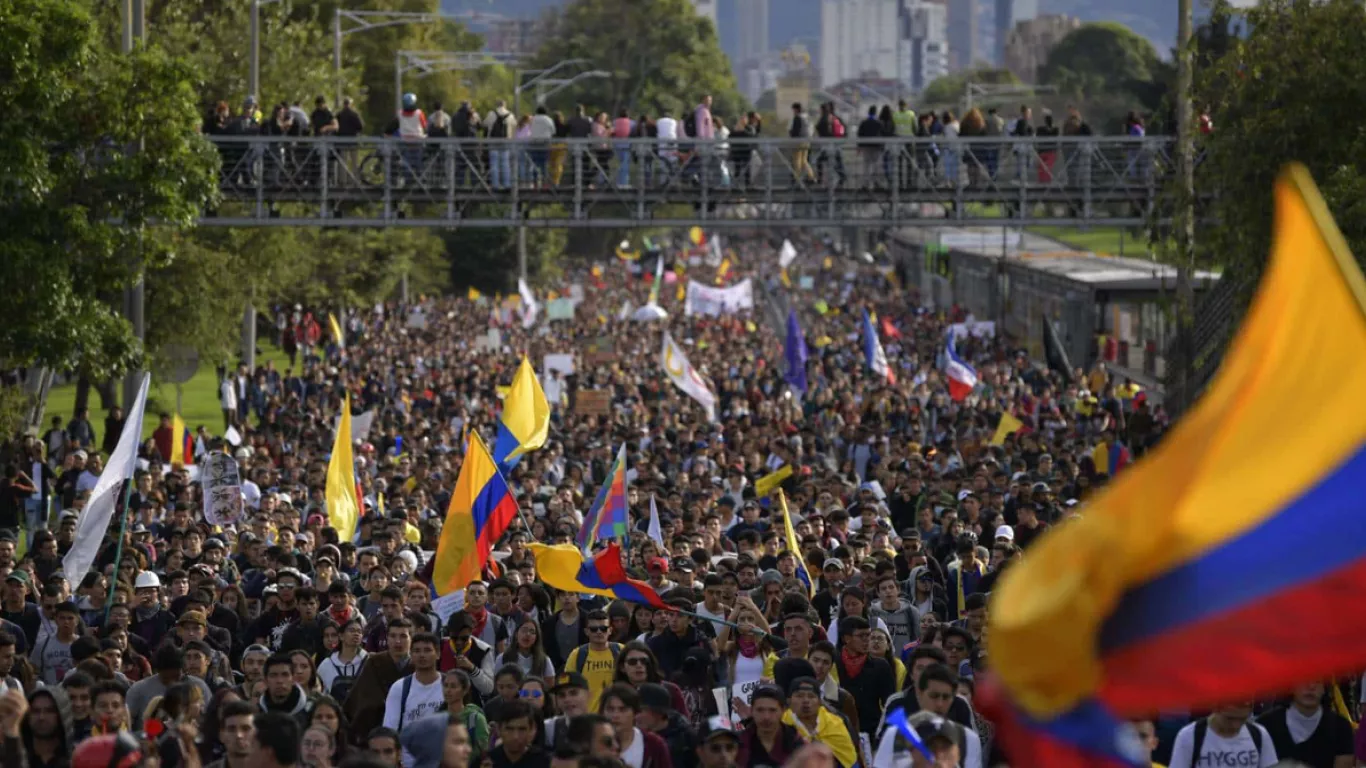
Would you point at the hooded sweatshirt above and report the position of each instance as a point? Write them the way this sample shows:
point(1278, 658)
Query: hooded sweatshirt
point(424, 740)
point(294, 705)
point(903, 622)
point(62, 757)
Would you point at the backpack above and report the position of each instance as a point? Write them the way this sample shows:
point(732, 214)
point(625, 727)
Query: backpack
point(499, 129)
point(342, 683)
point(1202, 728)
point(582, 660)
point(836, 127)
point(690, 123)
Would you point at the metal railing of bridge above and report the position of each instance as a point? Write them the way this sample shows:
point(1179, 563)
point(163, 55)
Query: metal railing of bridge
point(605, 182)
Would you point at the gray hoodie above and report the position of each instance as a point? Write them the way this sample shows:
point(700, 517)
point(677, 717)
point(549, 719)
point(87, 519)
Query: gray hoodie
point(903, 622)
point(425, 740)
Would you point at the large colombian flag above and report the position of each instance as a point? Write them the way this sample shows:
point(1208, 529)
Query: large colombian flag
point(482, 507)
point(563, 567)
point(1225, 563)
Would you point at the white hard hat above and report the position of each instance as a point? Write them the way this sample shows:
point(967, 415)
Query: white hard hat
point(147, 579)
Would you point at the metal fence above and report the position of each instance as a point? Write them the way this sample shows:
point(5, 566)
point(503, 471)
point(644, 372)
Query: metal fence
point(612, 182)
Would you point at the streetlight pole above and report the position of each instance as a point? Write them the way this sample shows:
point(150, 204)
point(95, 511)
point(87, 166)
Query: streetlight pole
point(255, 87)
point(1185, 212)
point(134, 298)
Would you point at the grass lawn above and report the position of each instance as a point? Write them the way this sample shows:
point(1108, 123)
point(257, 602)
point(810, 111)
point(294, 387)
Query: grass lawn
point(199, 399)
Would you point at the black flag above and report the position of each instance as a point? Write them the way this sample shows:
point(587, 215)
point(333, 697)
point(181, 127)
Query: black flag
point(1054, 352)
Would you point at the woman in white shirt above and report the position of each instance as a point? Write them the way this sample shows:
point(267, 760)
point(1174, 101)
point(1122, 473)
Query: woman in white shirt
point(951, 149)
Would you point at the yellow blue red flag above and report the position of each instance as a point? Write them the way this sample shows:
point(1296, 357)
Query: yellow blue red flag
point(1214, 569)
point(526, 419)
point(563, 567)
point(482, 507)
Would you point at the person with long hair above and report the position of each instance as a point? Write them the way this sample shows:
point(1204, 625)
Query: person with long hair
point(338, 671)
point(325, 711)
point(304, 673)
point(880, 647)
point(458, 694)
point(211, 725)
point(526, 651)
point(637, 665)
point(748, 651)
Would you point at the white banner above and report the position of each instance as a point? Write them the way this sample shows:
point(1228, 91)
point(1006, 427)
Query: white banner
point(787, 255)
point(685, 377)
point(99, 510)
point(976, 328)
point(222, 489)
point(529, 306)
point(360, 424)
point(706, 300)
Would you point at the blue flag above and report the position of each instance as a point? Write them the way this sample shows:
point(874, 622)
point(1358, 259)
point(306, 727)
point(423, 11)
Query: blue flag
point(897, 719)
point(795, 354)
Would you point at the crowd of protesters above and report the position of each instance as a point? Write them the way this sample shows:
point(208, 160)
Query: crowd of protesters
point(697, 145)
point(270, 642)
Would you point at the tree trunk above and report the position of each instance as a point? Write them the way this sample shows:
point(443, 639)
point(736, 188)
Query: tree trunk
point(82, 395)
point(109, 394)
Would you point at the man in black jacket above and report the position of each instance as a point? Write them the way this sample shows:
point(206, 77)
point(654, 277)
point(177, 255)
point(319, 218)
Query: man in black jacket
point(658, 716)
point(869, 680)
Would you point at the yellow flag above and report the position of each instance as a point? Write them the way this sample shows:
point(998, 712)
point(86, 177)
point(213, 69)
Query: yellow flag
point(1009, 425)
point(787, 281)
point(342, 509)
point(177, 441)
point(379, 503)
point(336, 330)
point(680, 293)
point(722, 271)
point(526, 414)
point(765, 485)
point(790, 534)
point(473, 295)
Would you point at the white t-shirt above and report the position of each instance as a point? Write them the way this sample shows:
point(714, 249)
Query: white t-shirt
point(1219, 752)
point(747, 675)
point(634, 755)
point(721, 614)
point(423, 700)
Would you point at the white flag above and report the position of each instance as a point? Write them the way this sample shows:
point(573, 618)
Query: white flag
point(714, 255)
point(654, 532)
point(233, 436)
point(787, 255)
point(94, 519)
point(529, 306)
point(685, 377)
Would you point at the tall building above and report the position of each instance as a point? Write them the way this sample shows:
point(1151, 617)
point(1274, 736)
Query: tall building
point(962, 21)
point(926, 43)
point(751, 25)
point(900, 40)
point(1030, 42)
point(1008, 14)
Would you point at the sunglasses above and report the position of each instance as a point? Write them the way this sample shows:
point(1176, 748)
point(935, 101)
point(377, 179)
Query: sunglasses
point(600, 628)
point(637, 661)
point(529, 694)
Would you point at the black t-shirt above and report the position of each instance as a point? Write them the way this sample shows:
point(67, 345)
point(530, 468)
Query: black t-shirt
point(349, 123)
point(321, 117)
point(1332, 737)
point(11, 504)
point(533, 758)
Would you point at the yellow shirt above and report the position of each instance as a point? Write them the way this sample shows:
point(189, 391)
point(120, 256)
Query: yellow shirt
point(830, 731)
point(599, 669)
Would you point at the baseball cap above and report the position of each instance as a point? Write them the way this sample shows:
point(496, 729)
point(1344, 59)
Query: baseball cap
point(193, 617)
point(1005, 532)
point(717, 726)
point(659, 564)
point(833, 562)
point(570, 680)
point(800, 684)
point(684, 565)
point(18, 574)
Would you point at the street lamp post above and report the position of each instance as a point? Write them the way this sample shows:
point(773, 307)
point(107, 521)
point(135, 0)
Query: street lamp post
point(435, 62)
point(364, 20)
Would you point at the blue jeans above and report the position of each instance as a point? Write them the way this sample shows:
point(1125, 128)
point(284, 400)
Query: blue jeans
point(623, 165)
point(500, 168)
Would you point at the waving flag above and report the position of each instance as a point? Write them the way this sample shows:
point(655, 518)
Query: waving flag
point(1197, 568)
point(337, 334)
point(658, 280)
point(182, 449)
point(482, 506)
point(608, 518)
point(685, 377)
point(796, 354)
point(529, 306)
point(790, 541)
point(94, 520)
point(872, 351)
point(563, 567)
point(962, 377)
point(526, 419)
point(343, 506)
point(655, 531)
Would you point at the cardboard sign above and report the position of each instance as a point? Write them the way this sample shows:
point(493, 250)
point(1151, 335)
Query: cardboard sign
point(222, 489)
point(601, 351)
point(593, 402)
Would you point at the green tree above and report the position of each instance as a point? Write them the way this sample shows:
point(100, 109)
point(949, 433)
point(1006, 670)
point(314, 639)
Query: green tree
point(950, 89)
point(96, 148)
point(660, 53)
point(1286, 91)
point(1102, 58)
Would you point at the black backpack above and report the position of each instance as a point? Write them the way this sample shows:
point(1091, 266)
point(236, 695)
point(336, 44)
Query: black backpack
point(499, 129)
point(343, 682)
point(1202, 728)
point(582, 660)
point(690, 123)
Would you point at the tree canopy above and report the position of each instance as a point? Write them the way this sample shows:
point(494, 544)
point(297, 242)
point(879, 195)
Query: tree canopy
point(950, 89)
point(660, 53)
point(1102, 58)
point(96, 146)
point(1288, 90)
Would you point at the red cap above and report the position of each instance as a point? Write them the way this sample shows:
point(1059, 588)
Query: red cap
point(659, 564)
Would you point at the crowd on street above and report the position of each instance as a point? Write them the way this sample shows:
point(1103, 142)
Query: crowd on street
point(267, 641)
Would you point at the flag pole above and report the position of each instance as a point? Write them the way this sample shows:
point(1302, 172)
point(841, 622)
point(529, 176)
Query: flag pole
point(118, 550)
